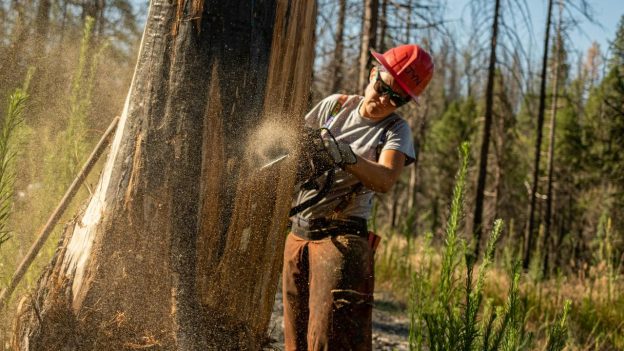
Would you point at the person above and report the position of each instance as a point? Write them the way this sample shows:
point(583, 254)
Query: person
point(327, 278)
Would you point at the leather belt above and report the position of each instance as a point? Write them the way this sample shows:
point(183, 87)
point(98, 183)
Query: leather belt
point(317, 229)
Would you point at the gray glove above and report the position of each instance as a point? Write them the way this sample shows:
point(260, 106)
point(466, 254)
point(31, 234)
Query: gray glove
point(341, 152)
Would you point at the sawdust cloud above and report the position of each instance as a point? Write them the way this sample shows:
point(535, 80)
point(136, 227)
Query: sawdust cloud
point(271, 140)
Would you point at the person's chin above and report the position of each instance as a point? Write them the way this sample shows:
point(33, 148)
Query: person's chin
point(370, 113)
point(375, 116)
point(377, 112)
point(373, 111)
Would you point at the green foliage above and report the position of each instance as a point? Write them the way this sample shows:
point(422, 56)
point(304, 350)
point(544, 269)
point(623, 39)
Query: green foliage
point(12, 121)
point(65, 161)
point(50, 158)
point(445, 317)
point(451, 255)
point(607, 255)
point(617, 58)
point(511, 327)
point(559, 331)
point(456, 125)
point(603, 136)
point(605, 114)
point(570, 147)
point(421, 284)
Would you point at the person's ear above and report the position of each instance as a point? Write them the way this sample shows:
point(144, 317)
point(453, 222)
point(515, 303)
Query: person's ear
point(373, 72)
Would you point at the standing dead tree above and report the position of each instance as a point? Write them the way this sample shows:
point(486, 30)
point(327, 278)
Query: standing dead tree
point(551, 145)
point(531, 227)
point(477, 226)
point(179, 247)
point(338, 72)
point(368, 41)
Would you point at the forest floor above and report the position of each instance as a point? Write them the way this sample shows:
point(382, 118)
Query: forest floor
point(390, 324)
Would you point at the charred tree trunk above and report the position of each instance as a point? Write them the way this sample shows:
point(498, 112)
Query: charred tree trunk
point(339, 49)
point(530, 234)
point(477, 225)
point(419, 130)
point(418, 127)
point(383, 22)
point(369, 39)
point(499, 161)
point(95, 10)
point(42, 23)
point(408, 21)
point(551, 149)
point(180, 246)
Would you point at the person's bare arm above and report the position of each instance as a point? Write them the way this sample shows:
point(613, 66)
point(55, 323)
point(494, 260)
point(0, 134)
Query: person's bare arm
point(379, 176)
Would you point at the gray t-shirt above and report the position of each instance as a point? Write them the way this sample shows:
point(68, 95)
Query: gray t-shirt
point(363, 135)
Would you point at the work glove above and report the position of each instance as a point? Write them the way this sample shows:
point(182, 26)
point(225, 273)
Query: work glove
point(321, 152)
point(340, 152)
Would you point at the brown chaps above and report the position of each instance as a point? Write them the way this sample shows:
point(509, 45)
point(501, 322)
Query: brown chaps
point(328, 293)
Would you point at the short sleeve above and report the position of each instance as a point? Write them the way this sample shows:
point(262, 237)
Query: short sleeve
point(319, 113)
point(399, 137)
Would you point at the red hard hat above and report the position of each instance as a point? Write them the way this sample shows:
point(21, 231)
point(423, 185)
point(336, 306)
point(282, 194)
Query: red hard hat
point(410, 65)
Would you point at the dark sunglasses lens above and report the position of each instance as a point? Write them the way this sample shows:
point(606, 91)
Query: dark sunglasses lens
point(399, 101)
point(384, 89)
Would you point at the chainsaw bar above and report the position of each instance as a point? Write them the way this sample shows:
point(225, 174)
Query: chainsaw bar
point(277, 160)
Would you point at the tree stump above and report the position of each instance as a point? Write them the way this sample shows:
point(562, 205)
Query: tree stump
point(180, 246)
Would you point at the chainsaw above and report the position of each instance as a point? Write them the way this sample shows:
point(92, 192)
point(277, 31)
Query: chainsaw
point(319, 155)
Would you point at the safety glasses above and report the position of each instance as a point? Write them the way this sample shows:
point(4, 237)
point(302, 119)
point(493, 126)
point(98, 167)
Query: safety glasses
point(382, 88)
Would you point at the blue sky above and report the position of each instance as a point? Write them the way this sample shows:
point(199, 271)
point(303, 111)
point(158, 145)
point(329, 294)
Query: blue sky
point(606, 12)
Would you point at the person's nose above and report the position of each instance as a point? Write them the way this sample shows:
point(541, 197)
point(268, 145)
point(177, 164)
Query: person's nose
point(384, 98)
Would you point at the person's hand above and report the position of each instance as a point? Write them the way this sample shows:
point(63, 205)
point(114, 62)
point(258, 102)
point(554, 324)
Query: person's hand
point(321, 152)
point(340, 152)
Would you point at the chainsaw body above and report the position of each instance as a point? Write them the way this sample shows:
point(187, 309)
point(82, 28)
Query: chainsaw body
point(314, 159)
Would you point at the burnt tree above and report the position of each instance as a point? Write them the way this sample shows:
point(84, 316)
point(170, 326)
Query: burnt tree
point(338, 61)
point(180, 246)
point(477, 224)
point(548, 216)
point(368, 41)
point(531, 226)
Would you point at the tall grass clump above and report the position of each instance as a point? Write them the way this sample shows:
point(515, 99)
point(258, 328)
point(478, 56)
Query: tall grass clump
point(606, 257)
point(558, 334)
point(446, 314)
point(12, 120)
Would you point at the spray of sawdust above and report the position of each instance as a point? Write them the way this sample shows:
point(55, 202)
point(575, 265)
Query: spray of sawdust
point(271, 141)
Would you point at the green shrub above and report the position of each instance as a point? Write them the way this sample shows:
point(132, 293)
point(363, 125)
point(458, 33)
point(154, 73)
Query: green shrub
point(445, 316)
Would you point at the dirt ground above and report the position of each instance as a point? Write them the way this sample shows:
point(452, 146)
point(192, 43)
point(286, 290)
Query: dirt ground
point(390, 324)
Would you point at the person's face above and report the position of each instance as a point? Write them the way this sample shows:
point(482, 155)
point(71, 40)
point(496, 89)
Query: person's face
point(382, 95)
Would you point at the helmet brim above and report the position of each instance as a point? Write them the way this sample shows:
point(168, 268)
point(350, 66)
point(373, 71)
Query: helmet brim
point(382, 60)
